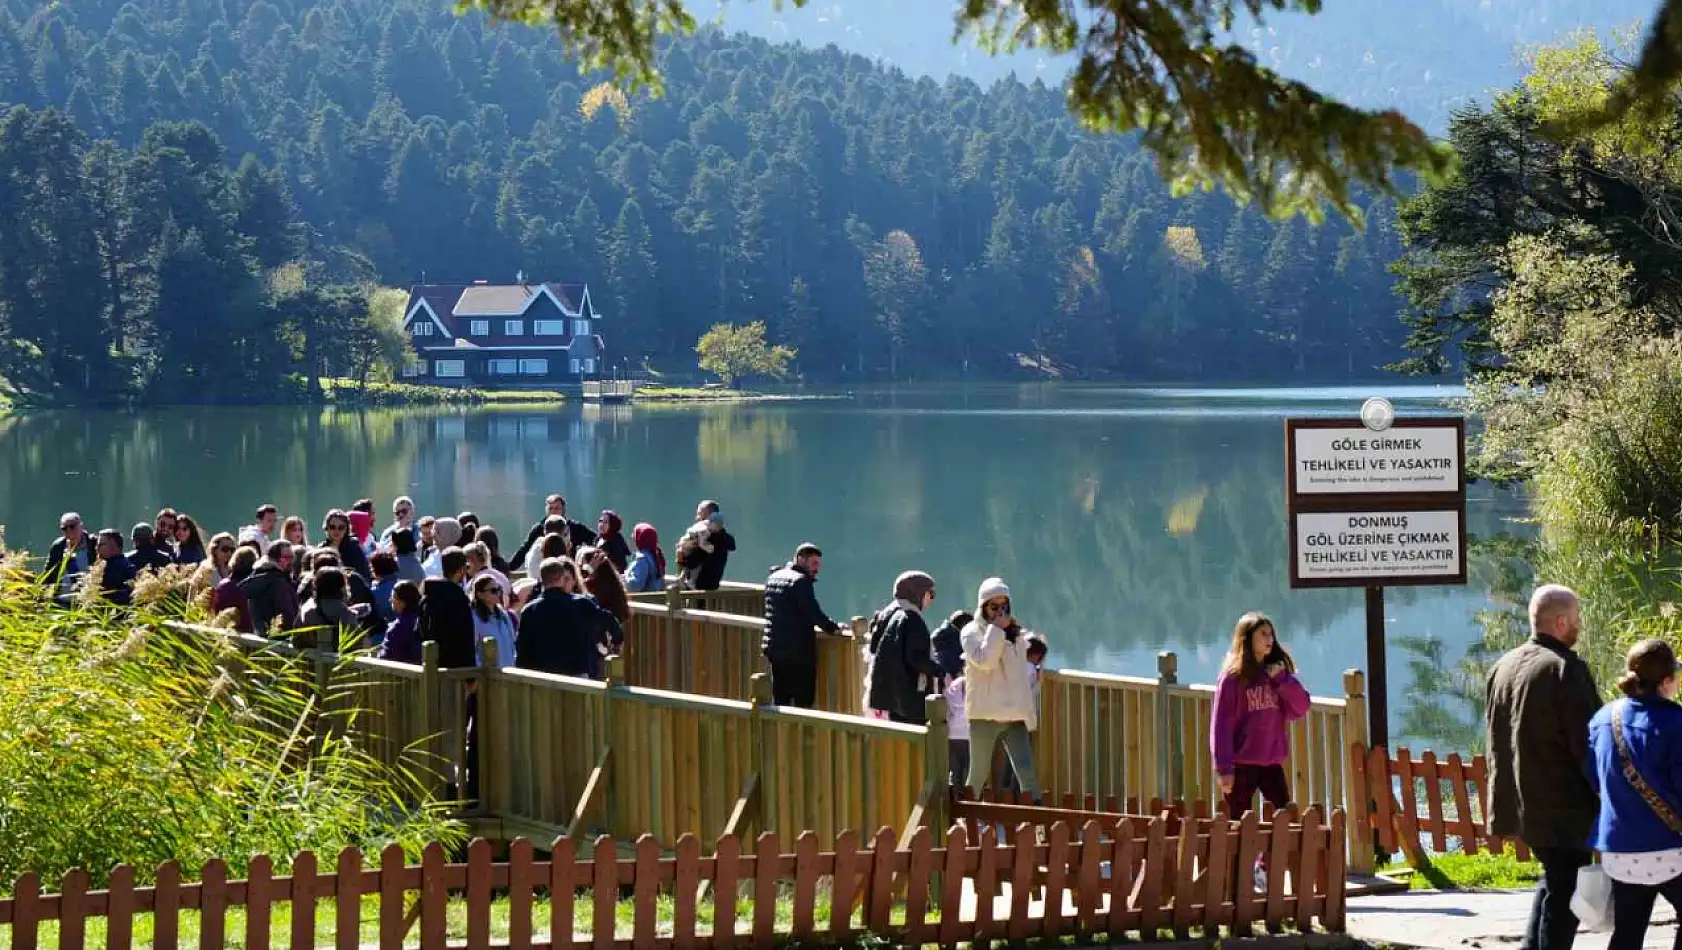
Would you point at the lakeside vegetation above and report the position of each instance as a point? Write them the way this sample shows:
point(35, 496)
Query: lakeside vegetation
point(1547, 269)
point(128, 742)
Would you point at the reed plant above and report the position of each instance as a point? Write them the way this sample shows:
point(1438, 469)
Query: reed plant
point(124, 739)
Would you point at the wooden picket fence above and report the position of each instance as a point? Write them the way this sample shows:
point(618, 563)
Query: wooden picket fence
point(1095, 880)
point(1398, 788)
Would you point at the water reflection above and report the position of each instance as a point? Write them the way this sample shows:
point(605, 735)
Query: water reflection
point(1126, 520)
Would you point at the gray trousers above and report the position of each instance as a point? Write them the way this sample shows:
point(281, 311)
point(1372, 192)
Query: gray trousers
point(984, 736)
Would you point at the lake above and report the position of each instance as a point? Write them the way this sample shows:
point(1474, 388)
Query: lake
point(1126, 520)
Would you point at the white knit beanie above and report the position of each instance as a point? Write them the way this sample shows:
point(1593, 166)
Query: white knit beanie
point(991, 589)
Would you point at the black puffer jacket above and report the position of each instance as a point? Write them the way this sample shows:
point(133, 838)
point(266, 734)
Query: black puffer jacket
point(902, 670)
point(269, 596)
point(791, 613)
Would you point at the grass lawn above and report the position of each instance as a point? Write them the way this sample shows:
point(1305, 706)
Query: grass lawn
point(1460, 872)
point(280, 923)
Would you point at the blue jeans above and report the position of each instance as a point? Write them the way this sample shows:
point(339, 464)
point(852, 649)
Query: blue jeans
point(1552, 925)
point(984, 737)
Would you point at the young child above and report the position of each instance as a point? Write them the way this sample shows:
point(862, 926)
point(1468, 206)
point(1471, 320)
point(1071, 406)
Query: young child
point(402, 636)
point(957, 735)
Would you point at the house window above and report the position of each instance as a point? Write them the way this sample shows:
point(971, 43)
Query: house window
point(549, 327)
point(503, 367)
point(421, 328)
point(575, 367)
point(414, 368)
point(479, 328)
point(449, 369)
point(534, 367)
point(589, 365)
point(514, 327)
point(580, 328)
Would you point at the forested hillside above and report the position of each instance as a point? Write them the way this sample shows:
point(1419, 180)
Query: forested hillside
point(881, 225)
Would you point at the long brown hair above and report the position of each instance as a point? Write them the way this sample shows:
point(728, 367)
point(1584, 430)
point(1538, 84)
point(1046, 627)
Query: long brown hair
point(1241, 658)
point(605, 584)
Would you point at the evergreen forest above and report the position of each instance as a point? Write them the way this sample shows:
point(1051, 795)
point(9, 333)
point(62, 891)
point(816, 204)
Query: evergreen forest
point(197, 198)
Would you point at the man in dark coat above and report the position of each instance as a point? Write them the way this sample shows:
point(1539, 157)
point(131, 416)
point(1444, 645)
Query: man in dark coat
point(146, 553)
point(116, 578)
point(902, 667)
point(69, 558)
point(1541, 696)
point(707, 570)
point(446, 613)
point(791, 614)
point(561, 630)
point(269, 592)
point(555, 506)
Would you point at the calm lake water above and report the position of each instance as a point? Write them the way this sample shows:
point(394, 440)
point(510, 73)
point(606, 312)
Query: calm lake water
point(1126, 520)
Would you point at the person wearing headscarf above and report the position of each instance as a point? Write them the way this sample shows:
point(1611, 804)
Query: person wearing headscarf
point(445, 533)
point(647, 571)
point(362, 528)
point(610, 538)
point(902, 668)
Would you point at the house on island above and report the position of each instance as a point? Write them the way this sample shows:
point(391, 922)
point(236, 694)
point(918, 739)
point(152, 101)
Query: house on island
point(502, 334)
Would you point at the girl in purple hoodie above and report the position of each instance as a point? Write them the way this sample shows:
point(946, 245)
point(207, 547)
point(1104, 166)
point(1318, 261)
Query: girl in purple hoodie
point(1256, 699)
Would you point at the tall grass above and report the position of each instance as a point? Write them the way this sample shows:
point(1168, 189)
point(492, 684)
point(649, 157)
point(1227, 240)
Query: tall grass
point(123, 740)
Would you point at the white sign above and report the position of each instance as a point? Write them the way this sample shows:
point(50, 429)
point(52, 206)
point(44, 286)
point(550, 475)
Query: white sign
point(1358, 461)
point(1349, 545)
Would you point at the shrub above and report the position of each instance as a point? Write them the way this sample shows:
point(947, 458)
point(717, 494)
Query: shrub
point(124, 740)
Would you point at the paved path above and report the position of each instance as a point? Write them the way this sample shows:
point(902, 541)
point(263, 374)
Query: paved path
point(1456, 920)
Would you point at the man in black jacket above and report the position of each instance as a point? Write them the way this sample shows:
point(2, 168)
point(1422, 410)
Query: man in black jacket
point(116, 578)
point(446, 614)
point(562, 631)
point(555, 506)
point(269, 592)
point(146, 553)
point(69, 558)
point(705, 571)
point(791, 614)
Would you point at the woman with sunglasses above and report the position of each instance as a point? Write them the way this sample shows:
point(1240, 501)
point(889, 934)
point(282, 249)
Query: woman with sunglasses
point(999, 688)
point(187, 542)
point(340, 539)
point(221, 557)
point(491, 619)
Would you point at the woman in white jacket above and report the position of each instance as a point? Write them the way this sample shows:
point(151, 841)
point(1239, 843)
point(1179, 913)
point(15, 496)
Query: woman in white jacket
point(999, 692)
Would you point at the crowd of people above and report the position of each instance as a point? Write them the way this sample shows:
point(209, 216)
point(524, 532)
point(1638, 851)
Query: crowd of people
point(560, 602)
point(439, 578)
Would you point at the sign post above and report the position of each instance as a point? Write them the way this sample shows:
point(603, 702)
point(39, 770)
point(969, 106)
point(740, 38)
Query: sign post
point(1376, 502)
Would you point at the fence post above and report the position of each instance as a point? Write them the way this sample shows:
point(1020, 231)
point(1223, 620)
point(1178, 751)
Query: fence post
point(674, 598)
point(1358, 828)
point(1167, 674)
point(762, 697)
point(323, 684)
point(936, 766)
point(487, 729)
point(615, 672)
point(432, 718)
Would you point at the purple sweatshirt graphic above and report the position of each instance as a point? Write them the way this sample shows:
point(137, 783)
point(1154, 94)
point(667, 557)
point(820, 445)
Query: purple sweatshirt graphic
point(1249, 724)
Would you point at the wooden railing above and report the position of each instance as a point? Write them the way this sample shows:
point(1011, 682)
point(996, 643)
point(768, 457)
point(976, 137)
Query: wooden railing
point(741, 600)
point(677, 743)
point(564, 756)
point(1454, 794)
point(717, 654)
point(913, 893)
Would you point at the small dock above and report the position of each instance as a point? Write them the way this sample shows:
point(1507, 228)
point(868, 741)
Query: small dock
point(609, 390)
